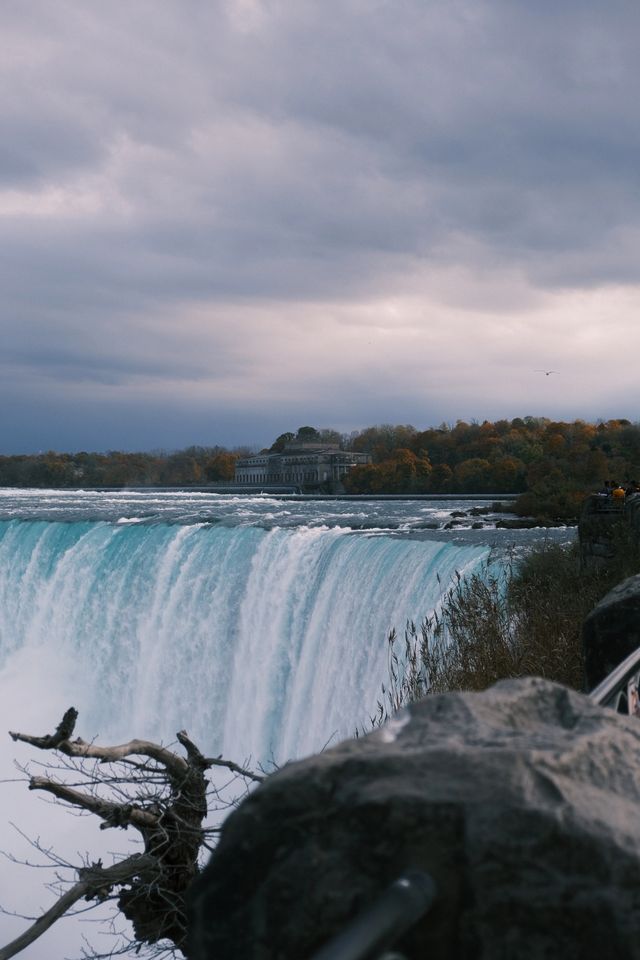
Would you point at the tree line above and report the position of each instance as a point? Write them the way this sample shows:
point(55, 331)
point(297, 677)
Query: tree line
point(190, 467)
point(551, 464)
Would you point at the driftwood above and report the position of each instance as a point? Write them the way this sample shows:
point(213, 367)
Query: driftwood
point(156, 791)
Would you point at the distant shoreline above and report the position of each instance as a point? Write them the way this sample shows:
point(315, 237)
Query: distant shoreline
point(282, 494)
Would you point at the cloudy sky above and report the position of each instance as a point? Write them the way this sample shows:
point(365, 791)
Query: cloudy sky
point(222, 219)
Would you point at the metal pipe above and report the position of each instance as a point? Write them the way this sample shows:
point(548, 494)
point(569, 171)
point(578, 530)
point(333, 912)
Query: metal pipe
point(617, 681)
point(380, 925)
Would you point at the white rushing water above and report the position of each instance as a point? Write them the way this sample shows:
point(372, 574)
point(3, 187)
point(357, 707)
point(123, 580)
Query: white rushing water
point(260, 625)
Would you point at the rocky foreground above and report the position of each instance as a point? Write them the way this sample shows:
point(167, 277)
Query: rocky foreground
point(521, 802)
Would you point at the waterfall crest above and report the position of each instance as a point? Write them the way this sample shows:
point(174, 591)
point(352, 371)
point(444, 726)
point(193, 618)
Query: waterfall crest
point(264, 643)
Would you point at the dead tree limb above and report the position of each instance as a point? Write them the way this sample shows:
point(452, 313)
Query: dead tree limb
point(163, 796)
point(94, 883)
point(63, 731)
point(113, 814)
point(90, 751)
point(235, 768)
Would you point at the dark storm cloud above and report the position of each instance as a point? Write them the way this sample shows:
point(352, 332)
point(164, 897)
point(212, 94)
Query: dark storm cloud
point(377, 126)
point(165, 167)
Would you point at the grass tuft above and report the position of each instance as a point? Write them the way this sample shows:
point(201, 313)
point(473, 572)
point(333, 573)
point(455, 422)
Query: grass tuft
point(515, 620)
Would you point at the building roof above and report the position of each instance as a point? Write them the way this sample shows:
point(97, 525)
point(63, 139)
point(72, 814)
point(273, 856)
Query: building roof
point(303, 446)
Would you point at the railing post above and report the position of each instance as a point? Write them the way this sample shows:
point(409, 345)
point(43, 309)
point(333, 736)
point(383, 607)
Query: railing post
point(380, 925)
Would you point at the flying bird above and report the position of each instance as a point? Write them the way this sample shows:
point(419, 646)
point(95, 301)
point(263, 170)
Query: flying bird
point(547, 373)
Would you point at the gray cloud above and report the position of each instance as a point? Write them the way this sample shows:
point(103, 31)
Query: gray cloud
point(190, 191)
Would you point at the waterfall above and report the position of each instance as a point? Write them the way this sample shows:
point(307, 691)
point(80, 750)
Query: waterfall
point(265, 637)
point(258, 624)
point(263, 643)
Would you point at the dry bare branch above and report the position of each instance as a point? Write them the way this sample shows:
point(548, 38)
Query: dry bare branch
point(94, 883)
point(114, 814)
point(235, 768)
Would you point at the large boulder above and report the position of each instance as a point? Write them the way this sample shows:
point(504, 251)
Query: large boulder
point(522, 803)
point(611, 631)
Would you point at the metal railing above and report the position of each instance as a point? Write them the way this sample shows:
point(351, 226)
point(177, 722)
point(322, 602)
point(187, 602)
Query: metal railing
point(598, 503)
point(620, 689)
point(382, 924)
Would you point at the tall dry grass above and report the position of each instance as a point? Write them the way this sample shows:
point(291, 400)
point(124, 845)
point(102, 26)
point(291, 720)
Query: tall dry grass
point(520, 619)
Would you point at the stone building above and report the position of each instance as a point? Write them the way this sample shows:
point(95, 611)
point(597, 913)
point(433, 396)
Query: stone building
point(299, 464)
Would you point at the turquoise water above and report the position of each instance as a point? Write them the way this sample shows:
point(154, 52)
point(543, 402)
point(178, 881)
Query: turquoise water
point(263, 642)
point(258, 624)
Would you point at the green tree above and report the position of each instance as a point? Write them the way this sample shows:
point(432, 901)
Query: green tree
point(280, 442)
point(307, 435)
point(473, 476)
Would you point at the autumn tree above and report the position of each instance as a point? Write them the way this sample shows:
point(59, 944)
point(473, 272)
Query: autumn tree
point(473, 476)
point(508, 475)
point(380, 441)
point(221, 467)
point(441, 478)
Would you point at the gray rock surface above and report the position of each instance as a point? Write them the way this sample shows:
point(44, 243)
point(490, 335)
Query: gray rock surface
point(611, 631)
point(523, 802)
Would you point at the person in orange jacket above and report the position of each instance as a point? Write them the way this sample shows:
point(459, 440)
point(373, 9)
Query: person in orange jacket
point(618, 494)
